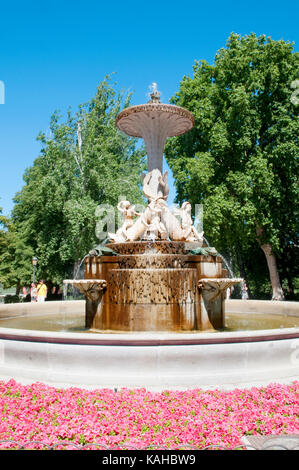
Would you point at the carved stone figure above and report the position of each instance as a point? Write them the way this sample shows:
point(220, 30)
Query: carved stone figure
point(129, 212)
point(155, 229)
point(189, 231)
point(170, 222)
point(91, 288)
point(213, 287)
point(155, 185)
point(137, 230)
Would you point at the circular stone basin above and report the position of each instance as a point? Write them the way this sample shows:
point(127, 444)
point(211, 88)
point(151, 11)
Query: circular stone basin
point(167, 119)
point(240, 356)
point(75, 322)
point(155, 122)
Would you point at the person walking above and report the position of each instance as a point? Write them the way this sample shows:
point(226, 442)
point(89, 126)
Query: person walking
point(245, 295)
point(41, 291)
point(33, 292)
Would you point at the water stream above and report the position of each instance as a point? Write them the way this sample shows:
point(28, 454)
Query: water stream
point(230, 271)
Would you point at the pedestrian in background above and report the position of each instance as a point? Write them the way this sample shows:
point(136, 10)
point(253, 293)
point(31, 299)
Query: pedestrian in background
point(33, 292)
point(41, 291)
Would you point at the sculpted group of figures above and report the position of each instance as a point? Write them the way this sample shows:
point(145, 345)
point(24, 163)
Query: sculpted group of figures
point(157, 222)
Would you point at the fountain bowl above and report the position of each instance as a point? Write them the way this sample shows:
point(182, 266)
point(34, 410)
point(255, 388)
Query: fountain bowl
point(153, 360)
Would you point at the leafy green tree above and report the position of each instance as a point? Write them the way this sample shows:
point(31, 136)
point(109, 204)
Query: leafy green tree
point(239, 161)
point(15, 256)
point(84, 162)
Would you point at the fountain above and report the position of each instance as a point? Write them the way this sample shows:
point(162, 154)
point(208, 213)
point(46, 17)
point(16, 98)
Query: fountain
point(155, 313)
point(154, 281)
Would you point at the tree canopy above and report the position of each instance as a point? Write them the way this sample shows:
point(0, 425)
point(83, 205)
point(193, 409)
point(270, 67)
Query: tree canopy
point(84, 161)
point(240, 160)
point(15, 255)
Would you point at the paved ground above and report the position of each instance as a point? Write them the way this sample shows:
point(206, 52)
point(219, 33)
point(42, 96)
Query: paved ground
point(272, 442)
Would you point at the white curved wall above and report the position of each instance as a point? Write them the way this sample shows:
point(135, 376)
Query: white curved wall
point(154, 361)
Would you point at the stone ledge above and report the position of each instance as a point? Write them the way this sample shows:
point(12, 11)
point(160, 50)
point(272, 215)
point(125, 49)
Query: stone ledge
point(272, 442)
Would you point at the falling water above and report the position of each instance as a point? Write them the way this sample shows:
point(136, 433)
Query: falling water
point(64, 294)
point(65, 285)
point(206, 241)
point(63, 314)
point(81, 262)
point(231, 273)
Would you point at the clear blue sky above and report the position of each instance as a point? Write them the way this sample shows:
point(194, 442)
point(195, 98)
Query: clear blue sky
point(54, 54)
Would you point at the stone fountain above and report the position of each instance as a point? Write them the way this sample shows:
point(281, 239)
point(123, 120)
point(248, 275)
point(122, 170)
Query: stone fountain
point(154, 302)
point(155, 277)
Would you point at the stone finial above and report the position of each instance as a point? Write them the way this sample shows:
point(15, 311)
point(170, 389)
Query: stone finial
point(154, 94)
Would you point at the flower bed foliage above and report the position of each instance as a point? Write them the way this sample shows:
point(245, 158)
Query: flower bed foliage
point(141, 418)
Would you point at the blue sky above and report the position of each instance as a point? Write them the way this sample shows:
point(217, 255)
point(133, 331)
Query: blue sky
point(53, 56)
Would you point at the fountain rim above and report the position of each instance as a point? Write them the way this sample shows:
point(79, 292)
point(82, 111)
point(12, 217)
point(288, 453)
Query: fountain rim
point(156, 107)
point(148, 339)
point(109, 360)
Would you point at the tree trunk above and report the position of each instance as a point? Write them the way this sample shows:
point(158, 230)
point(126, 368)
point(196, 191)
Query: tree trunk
point(18, 287)
point(277, 292)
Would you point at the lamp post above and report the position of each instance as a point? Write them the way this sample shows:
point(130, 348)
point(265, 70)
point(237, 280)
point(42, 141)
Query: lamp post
point(34, 263)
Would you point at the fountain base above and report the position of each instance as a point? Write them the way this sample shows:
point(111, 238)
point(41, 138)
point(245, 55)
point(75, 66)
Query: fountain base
point(154, 286)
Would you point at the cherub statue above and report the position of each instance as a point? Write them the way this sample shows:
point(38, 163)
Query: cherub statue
point(190, 233)
point(125, 208)
point(155, 229)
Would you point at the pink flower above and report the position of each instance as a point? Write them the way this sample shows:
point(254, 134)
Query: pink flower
point(142, 418)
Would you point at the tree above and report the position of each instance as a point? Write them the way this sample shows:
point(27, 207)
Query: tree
point(15, 256)
point(84, 162)
point(240, 158)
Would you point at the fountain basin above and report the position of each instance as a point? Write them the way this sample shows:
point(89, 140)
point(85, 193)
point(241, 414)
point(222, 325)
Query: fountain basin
point(156, 361)
point(155, 286)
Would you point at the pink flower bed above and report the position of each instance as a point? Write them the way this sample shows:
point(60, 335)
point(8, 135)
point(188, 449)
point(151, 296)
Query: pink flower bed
point(143, 419)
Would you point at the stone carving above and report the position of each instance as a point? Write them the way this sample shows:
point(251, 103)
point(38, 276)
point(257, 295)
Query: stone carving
point(155, 122)
point(214, 287)
point(149, 247)
point(91, 288)
point(157, 221)
point(125, 124)
point(137, 230)
point(155, 229)
point(129, 212)
point(152, 287)
point(190, 233)
point(155, 185)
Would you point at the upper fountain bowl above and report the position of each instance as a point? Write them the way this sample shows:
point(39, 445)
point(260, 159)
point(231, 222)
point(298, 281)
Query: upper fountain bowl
point(171, 120)
point(155, 122)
